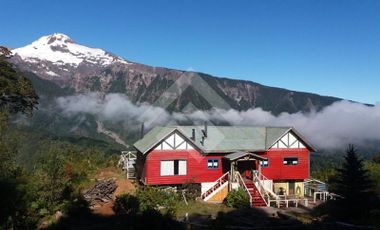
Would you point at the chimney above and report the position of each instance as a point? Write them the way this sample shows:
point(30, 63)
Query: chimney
point(193, 135)
point(205, 133)
point(142, 130)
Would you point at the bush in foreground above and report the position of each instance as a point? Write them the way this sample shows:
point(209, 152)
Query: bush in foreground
point(159, 199)
point(126, 204)
point(237, 199)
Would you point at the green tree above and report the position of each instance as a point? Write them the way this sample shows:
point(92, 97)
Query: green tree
point(376, 158)
point(7, 147)
point(237, 199)
point(50, 179)
point(16, 92)
point(374, 173)
point(16, 95)
point(353, 184)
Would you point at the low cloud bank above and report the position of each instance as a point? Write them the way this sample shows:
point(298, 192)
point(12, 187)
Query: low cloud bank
point(335, 126)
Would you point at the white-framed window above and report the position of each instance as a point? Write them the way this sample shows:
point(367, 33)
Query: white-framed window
point(212, 163)
point(173, 167)
point(291, 161)
point(264, 163)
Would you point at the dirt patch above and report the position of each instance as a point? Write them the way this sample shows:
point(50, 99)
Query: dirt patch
point(103, 209)
point(123, 186)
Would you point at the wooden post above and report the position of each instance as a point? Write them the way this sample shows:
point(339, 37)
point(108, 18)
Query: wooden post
point(232, 179)
point(259, 166)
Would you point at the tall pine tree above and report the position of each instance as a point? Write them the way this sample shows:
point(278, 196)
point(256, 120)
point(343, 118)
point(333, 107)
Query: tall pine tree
point(353, 184)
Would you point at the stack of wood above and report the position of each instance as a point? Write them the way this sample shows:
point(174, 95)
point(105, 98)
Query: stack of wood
point(102, 192)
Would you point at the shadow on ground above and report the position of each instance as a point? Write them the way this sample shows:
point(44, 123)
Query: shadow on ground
point(150, 219)
point(80, 217)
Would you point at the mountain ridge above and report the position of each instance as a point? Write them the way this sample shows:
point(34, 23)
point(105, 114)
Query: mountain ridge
point(102, 73)
point(83, 69)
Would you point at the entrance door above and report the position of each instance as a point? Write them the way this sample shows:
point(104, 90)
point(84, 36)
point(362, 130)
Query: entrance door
point(245, 168)
point(292, 185)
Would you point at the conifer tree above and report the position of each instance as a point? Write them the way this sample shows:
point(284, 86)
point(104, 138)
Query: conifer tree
point(353, 185)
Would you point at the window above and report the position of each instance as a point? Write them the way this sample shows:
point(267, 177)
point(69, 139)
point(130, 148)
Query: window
point(290, 161)
point(212, 163)
point(264, 163)
point(173, 168)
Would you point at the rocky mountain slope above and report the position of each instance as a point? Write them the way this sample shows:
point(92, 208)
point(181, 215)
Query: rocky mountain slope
point(58, 66)
point(58, 59)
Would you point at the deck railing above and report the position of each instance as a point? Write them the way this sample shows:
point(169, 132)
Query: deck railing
point(318, 190)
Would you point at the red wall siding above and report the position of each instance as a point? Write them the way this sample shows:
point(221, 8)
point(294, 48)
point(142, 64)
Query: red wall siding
point(278, 171)
point(197, 170)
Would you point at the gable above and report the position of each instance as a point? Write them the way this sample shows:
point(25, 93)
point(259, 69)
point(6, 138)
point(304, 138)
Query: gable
point(222, 139)
point(174, 141)
point(153, 137)
point(289, 141)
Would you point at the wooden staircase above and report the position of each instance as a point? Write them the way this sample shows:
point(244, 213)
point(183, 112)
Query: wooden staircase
point(131, 173)
point(218, 183)
point(257, 200)
point(256, 195)
point(127, 163)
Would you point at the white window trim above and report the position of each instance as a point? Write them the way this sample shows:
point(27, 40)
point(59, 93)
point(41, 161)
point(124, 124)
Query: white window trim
point(167, 167)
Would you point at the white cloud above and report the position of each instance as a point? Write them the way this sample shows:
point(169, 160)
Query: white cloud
point(336, 125)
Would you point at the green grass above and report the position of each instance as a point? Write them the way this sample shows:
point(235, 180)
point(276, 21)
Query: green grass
point(197, 208)
point(305, 218)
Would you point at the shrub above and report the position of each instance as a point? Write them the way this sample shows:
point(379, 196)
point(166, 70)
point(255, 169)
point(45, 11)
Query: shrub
point(237, 199)
point(77, 206)
point(155, 198)
point(191, 190)
point(126, 204)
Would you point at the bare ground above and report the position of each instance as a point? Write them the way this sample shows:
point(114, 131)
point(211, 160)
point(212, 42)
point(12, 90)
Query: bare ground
point(124, 186)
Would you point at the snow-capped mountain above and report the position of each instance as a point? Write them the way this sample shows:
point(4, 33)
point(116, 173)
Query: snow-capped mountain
point(57, 56)
point(61, 49)
point(60, 60)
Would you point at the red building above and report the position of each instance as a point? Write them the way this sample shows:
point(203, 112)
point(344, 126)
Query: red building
point(265, 161)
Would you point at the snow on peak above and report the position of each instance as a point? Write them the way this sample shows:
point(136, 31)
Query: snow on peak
point(60, 49)
point(57, 37)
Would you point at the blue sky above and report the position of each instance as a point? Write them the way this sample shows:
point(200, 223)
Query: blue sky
point(323, 46)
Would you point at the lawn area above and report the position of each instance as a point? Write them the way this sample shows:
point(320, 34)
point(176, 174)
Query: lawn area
point(198, 208)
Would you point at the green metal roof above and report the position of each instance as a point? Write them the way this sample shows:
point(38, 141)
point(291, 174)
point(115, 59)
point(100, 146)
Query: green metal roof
point(152, 138)
point(273, 134)
point(220, 139)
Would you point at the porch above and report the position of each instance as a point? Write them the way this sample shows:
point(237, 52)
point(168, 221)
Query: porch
point(244, 172)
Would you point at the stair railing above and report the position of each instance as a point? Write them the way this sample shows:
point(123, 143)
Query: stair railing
point(218, 183)
point(242, 184)
point(260, 188)
point(262, 178)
